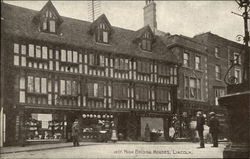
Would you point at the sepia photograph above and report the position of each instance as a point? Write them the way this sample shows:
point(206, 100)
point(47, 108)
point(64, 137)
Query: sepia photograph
point(117, 79)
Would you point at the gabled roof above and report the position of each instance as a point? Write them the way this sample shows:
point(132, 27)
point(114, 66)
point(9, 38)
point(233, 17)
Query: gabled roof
point(99, 20)
point(18, 22)
point(49, 5)
point(139, 33)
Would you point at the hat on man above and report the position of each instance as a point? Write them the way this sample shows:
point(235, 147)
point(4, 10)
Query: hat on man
point(212, 113)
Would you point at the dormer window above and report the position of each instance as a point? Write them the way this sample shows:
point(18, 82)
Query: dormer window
point(102, 34)
point(48, 22)
point(146, 43)
point(48, 19)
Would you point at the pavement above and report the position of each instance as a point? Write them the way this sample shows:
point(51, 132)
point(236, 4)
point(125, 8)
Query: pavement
point(114, 150)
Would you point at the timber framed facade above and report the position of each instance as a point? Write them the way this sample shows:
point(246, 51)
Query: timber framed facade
point(58, 69)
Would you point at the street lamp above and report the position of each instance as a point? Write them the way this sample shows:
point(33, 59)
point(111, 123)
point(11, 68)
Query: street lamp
point(237, 100)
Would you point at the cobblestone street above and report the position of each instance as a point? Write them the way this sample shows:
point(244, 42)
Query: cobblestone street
point(125, 150)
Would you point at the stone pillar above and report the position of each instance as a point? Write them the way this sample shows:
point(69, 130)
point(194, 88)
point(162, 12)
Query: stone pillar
point(238, 117)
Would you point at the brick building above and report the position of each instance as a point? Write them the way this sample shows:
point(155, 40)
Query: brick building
point(205, 59)
point(55, 69)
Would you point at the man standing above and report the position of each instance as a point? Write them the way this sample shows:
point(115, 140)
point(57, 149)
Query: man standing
point(214, 128)
point(200, 128)
point(75, 132)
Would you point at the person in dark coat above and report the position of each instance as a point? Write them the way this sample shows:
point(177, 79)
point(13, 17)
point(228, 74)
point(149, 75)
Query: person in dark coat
point(214, 128)
point(200, 128)
point(75, 132)
point(147, 133)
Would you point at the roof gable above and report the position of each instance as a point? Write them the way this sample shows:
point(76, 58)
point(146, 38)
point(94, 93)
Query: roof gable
point(100, 19)
point(141, 32)
point(51, 8)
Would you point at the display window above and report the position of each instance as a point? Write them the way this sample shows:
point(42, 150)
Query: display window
point(44, 127)
point(94, 125)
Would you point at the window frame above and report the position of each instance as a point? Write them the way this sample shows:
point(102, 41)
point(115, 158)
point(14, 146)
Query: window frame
point(46, 18)
point(218, 72)
point(146, 42)
point(186, 62)
point(102, 29)
point(197, 64)
point(237, 61)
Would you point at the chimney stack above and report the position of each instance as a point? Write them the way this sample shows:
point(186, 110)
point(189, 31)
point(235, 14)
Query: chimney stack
point(150, 15)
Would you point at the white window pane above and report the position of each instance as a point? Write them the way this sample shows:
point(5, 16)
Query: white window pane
point(75, 58)
point(57, 66)
point(49, 85)
point(45, 66)
point(23, 59)
point(40, 65)
point(31, 50)
point(52, 26)
point(16, 48)
point(38, 51)
point(22, 83)
point(50, 53)
point(30, 84)
point(57, 54)
point(45, 25)
point(62, 87)
point(37, 84)
point(80, 57)
point(192, 83)
point(35, 65)
point(105, 36)
point(69, 56)
point(49, 99)
point(69, 88)
point(45, 52)
point(63, 55)
point(95, 89)
point(22, 97)
point(23, 49)
point(44, 85)
point(56, 87)
point(51, 65)
point(16, 60)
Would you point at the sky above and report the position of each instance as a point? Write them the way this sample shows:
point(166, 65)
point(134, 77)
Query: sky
point(187, 18)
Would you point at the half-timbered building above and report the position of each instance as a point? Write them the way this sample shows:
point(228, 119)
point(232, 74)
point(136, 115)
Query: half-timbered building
point(56, 69)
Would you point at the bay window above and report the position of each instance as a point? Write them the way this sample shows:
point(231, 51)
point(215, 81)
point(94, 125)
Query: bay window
point(192, 88)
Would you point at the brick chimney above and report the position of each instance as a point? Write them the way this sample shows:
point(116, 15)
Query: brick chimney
point(150, 15)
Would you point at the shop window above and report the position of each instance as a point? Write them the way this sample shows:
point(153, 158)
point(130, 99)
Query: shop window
point(44, 127)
